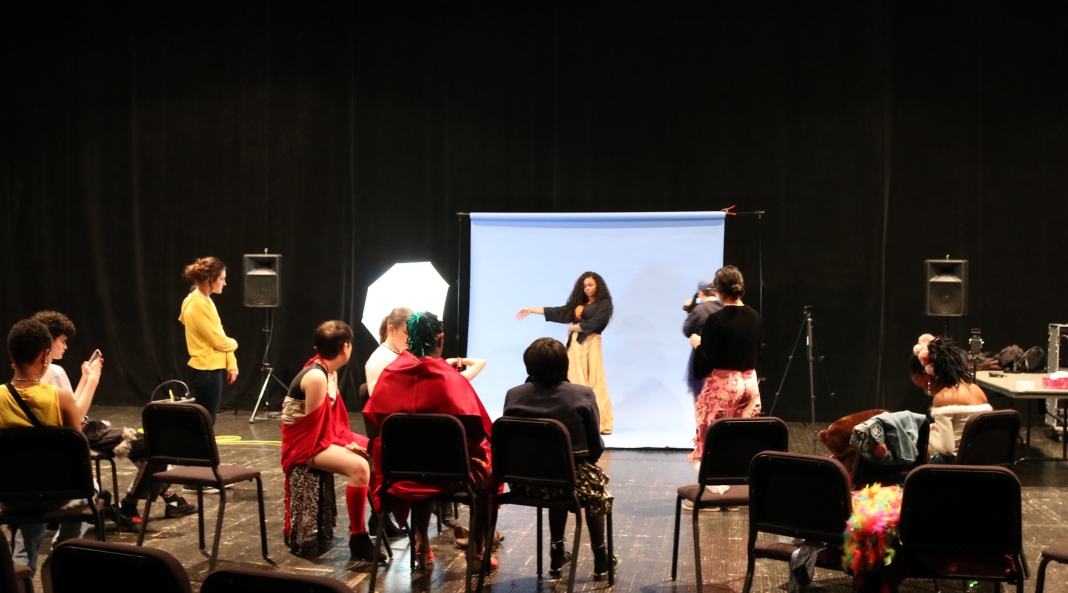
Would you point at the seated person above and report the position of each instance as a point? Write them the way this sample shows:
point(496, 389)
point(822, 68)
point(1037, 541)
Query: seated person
point(939, 368)
point(420, 382)
point(62, 329)
point(548, 394)
point(30, 345)
point(316, 433)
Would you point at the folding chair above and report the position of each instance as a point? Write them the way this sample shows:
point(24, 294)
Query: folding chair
point(800, 496)
point(119, 567)
point(405, 456)
point(962, 522)
point(43, 466)
point(989, 438)
point(244, 580)
point(730, 445)
point(182, 434)
point(537, 453)
point(1056, 553)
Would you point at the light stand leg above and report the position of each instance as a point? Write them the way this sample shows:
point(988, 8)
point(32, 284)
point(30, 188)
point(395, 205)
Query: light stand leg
point(263, 390)
point(811, 376)
point(786, 372)
point(266, 369)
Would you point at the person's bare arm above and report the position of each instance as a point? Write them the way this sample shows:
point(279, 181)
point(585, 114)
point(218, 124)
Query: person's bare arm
point(83, 397)
point(314, 387)
point(68, 409)
point(522, 314)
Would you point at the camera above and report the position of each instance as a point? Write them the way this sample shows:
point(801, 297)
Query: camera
point(975, 343)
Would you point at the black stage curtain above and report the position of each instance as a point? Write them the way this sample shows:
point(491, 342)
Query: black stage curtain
point(135, 137)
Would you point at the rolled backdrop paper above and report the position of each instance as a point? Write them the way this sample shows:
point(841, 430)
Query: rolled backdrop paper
point(651, 263)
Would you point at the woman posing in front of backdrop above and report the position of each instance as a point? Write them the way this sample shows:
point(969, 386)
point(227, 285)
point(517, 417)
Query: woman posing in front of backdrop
point(211, 352)
point(587, 313)
point(727, 358)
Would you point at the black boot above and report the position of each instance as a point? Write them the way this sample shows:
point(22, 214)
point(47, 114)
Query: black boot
point(361, 548)
point(558, 559)
point(600, 563)
point(392, 531)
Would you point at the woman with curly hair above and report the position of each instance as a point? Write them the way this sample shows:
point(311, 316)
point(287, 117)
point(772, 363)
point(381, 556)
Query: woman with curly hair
point(587, 313)
point(211, 352)
point(419, 381)
point(727, 358)
point(939, 367)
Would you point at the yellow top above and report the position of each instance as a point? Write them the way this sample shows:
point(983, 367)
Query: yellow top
point(209, 348)
point(43, 400)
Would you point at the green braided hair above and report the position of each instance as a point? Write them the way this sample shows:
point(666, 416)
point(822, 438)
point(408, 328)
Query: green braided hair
point(423, 331)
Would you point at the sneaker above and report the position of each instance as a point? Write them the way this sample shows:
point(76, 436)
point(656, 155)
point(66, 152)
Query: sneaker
point(362, 549)
point(193, 489)
point(688, 506)
point(129, 518)
point(176, 506)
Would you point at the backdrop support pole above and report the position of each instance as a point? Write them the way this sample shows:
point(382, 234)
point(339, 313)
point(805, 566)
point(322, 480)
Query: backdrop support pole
point(459, 273)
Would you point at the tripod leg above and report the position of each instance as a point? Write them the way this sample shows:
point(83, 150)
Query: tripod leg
point(263, 390)
point(786, 372)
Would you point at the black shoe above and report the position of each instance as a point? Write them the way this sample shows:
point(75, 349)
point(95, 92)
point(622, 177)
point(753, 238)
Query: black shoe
point(392, 531)
point(129, 518)
point(558, 559)
point(176, 506)
point(600, 563)
point(361, 548)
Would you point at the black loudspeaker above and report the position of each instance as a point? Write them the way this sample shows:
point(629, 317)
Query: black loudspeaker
point(947, 287)
point(263, 273)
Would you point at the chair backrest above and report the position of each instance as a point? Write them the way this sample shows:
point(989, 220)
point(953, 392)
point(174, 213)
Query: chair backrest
point(45, 464)
point(532, 452)
point(424, 448)
point(115, 567)
point(245, 580)
point(989, 438)
point(179, 434)
point(866, 472)
point(952, 508)
point(804, 496)
point(731, 444)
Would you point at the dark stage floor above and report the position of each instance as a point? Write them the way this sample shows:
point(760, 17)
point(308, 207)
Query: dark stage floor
point(643, 482)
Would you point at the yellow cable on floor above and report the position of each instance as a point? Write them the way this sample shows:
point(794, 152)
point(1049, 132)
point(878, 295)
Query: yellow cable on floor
point(227, 439)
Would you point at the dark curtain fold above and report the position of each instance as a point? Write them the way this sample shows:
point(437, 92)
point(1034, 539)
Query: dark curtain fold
point(346, 136)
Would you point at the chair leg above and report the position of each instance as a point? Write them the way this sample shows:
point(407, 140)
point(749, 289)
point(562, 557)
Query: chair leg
point(218, 530)
point(263, 517)
point(540, 544)
point(750, 565)
point(697, 546)
point(1040, 581)
point(575, 548)
point(611, 554)
point(1023, 565)
point(27, 585)
point(116, 496)
point(675, 549)
point(487, 551)
point(379, 537)
point(200, 514)
point(98, 520)
point(144, 519)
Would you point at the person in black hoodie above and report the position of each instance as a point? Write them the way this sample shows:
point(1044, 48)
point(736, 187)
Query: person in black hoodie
point(548, 394)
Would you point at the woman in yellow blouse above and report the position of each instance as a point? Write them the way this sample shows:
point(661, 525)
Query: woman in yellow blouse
point(211, 352)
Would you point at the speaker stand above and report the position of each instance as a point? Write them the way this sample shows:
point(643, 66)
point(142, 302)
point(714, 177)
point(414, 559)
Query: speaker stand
point(267, 371)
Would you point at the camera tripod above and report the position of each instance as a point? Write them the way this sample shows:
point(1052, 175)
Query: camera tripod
point(812, 352)
point(266, 370)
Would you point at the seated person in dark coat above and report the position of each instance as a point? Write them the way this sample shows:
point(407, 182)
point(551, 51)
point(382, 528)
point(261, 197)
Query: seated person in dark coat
point(548, 394)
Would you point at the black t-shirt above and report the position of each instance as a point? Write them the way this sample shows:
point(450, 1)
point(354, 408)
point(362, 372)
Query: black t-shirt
point(730, 340)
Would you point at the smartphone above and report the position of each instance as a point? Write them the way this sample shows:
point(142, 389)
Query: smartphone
point(96, 355)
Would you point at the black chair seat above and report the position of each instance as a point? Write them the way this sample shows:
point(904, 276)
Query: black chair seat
point(526, 501)
point(783, 552)
point(973, 566)
point(1057, 553)
point(203, 476)
point(82, 512)
point(735, 496)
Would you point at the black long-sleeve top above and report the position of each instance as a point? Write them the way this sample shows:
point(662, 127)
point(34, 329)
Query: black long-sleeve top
point(595, 318)
point(730, 340)
point(574, 406)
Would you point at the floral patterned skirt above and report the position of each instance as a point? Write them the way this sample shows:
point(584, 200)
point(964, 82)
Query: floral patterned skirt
point(591, 485)
point(726, 394)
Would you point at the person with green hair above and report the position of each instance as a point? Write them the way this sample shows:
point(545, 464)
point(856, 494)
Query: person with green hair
point(419, 381)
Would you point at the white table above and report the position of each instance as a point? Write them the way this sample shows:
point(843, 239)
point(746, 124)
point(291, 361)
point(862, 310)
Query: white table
point(1005, 384)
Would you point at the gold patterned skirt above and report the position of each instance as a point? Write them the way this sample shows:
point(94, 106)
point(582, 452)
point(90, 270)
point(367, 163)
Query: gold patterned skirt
point(591, 486)
point(586, 367)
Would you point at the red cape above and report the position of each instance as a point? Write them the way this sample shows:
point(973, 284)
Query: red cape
point(429, 386)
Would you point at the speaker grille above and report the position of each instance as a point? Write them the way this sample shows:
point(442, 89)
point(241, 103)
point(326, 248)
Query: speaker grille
point(946, 298)
point(263, 274)
point(947, 287)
